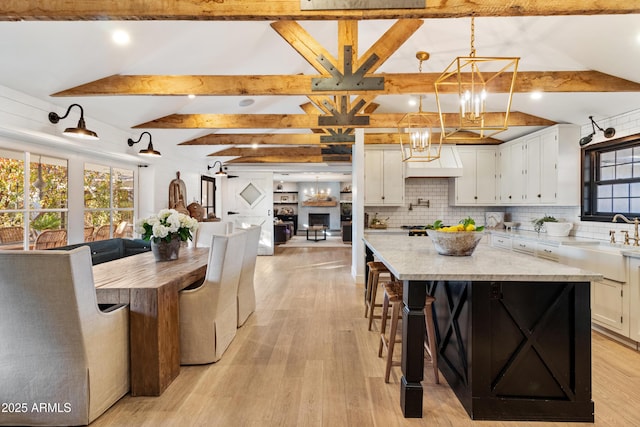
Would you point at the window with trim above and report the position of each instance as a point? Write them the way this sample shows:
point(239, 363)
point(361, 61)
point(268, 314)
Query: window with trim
point(108, 202)
point(25, 214)
point(611, 179)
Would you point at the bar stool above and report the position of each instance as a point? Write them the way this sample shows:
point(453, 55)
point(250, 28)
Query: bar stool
point(393, 297)
point(376, 268)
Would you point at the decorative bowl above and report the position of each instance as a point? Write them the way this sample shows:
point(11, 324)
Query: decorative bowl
point(558, 229)
point(457, 243)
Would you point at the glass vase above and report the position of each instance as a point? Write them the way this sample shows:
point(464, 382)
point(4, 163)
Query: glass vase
point(166, 251)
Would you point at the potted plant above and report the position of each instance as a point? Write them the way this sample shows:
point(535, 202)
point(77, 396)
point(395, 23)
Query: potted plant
point(166, 230)
point(538, 224)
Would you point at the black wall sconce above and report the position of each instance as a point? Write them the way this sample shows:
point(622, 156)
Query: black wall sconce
point(220, 171)
point(608, 133)
point(80, 131)
point(149, 151)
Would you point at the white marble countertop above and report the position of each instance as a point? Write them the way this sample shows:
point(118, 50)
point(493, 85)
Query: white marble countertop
point(414, 258)
point(543, 237)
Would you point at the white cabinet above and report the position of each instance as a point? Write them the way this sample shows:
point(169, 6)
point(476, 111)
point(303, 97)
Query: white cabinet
point(477, 185)
point(611, 296)
point(523, 246)
point(384, 177)
point(500, 242)
point(542, 168)
point(634, 299)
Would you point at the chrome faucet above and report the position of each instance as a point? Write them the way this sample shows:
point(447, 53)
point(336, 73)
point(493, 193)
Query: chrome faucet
point(635, 222)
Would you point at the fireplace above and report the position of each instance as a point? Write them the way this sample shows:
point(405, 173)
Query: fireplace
point(319, 219)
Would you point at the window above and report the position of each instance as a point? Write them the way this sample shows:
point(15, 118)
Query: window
point(42, 207)
point(611, 179)
point(108, 202)
point(208, 194)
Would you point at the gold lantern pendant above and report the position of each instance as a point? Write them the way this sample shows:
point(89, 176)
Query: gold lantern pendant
point(475, 78)
point(415, 131)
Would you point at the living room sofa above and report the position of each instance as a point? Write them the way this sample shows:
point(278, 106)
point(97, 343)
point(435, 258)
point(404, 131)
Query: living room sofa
point(111, 249)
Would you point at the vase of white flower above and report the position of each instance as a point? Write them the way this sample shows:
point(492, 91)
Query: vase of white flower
point(166, 230)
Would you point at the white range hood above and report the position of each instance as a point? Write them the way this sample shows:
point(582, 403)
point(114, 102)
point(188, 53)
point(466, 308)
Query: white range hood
point(448, 165)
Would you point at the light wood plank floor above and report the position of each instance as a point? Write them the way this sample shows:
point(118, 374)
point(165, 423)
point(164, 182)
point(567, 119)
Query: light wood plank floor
point(306, 358)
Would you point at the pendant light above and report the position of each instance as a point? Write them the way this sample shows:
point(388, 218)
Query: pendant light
point(475, 81)
point(416, 131)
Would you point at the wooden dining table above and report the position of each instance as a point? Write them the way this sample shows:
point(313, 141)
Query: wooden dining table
point(152, 291)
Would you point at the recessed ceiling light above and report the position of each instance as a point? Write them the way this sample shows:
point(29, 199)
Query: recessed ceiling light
point(246, 102)
point(536, 94)
point(191, 96)
point(120, 37)
point(413, 102)
point(254, 145)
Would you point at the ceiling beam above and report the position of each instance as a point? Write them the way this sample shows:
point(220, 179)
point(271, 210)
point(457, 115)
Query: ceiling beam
point(259, 10)
point(311, 139)
point(309, 121)
point(395, 84)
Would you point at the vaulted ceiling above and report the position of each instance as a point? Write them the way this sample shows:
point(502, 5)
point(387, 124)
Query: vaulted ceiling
point(256, 67)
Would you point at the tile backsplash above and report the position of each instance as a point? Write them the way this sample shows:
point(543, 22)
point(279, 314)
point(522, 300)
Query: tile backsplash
point(435, 190)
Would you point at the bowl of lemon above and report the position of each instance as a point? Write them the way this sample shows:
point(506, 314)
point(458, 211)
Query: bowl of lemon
point(456, 240)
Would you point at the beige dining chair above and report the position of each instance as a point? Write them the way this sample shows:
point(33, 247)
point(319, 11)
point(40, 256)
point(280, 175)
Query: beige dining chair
point(209, 313)
point(246, 290)
point(206, 230)
point(51, 239)
point(57, 347)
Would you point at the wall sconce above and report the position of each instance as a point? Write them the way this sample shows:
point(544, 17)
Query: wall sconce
point(220, 171)
point(608, 132)
point(149, 151)
point(80, 131)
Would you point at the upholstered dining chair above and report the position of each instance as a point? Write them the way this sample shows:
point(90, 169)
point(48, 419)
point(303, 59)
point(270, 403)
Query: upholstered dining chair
point(209, 313)
point(246, 290)
point(206, 230)
point(58, 348)
point(51, 239)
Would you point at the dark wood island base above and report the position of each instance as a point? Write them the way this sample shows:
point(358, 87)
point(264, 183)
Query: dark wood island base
point(516, 350)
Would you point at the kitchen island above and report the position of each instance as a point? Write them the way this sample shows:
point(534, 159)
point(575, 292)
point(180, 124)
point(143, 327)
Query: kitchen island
point(513, 332)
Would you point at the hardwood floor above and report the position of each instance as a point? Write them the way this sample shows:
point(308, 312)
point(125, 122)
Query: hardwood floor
point(306, 358)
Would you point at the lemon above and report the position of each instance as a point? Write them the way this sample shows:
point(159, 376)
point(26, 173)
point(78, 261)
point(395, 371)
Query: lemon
point(470, 227)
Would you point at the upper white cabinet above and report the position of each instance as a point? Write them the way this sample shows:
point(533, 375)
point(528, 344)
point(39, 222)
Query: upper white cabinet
point(477, 185)
point(384, 177)
point(542, 168)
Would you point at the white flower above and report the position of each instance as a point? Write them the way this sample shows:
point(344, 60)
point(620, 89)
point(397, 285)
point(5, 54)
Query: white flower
point(166, 224)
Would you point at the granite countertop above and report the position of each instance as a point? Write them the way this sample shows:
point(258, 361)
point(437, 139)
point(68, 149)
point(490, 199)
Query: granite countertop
point(414, 258)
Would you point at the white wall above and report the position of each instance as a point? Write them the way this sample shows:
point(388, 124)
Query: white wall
point(24, 126)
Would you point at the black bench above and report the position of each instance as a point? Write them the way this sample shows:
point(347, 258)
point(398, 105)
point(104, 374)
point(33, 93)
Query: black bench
point(112, 249)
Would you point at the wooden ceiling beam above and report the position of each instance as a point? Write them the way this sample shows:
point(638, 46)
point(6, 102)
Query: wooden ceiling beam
point(395, 84)
point(269, 151)
point(259, 10)
point(309, 121)
point(278, 159)
point(299, 39)
point(311, 139)
point(259, 139)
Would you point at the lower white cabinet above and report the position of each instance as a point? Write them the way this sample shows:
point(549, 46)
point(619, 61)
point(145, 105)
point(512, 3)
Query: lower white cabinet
point(610, 305)
point(634, 299)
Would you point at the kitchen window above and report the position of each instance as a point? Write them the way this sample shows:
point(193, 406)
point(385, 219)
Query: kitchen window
point(611, 179)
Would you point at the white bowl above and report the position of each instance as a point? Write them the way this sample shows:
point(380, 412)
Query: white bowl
point(558, 229)
point(455, 243)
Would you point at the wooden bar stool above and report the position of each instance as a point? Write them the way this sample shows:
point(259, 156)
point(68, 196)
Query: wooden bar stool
point(393, 297)
point(376, 268)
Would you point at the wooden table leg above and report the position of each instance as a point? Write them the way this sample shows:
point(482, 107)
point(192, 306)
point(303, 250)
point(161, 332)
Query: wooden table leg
point(154, 340)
